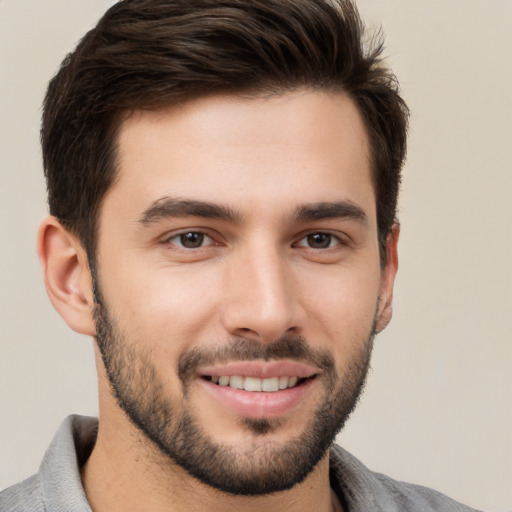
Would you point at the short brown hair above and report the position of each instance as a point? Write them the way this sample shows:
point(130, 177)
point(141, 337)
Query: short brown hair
point(147, 54)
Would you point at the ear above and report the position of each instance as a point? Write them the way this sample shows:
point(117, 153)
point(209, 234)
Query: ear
point(66, 275)
point(385, 306)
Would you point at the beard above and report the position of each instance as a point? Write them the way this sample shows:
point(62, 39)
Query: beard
point(170, 423)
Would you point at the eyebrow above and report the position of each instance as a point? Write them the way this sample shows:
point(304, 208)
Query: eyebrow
point(336, 210)
point(167, 207)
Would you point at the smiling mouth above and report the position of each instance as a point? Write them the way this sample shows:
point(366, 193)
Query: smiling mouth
point(255, 384)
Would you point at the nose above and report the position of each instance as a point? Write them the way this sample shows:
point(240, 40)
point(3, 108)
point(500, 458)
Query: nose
point(261, 300)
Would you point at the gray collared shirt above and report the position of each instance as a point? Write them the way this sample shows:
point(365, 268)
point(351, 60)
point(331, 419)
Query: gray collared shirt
point(57, 487)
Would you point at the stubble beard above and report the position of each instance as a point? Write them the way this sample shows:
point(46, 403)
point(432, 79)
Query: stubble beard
point(263, 468)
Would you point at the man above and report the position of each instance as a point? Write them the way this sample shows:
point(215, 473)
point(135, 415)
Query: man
point(223, 180)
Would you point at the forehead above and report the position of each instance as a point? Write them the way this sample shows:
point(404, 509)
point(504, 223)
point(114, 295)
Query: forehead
point(295, 147)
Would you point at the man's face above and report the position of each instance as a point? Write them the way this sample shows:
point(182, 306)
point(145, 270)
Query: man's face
point(238, 249)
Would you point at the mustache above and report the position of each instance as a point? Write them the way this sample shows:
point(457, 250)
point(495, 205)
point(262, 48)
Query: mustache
point(293, 348)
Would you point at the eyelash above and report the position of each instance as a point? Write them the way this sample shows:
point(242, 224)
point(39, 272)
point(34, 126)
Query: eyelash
point(178, 240)
point(330, 238)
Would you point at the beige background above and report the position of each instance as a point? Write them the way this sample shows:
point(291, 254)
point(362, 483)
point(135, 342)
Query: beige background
point(438, 406)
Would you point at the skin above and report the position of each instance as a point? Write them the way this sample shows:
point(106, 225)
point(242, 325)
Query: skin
point(256, 276)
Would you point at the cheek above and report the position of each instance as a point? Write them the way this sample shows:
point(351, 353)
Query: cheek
point(167, 307)
point(343, 304)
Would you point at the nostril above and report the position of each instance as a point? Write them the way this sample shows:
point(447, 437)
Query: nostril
point(246, 332)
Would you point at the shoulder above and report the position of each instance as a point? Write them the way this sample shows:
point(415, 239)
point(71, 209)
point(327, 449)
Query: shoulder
point(418, 497)
point(363, 489)
point(57, 486)
point(25, 496)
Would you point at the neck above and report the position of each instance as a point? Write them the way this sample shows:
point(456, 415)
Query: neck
point(127, 472)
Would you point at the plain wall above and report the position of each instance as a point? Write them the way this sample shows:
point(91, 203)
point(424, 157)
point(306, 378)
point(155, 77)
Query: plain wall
point(438, 406)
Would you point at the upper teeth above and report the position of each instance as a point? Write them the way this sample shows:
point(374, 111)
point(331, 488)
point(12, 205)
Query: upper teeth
point(255, 384)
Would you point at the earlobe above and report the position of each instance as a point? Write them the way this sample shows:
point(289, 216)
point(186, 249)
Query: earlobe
point(66, 275)
point(385, 306)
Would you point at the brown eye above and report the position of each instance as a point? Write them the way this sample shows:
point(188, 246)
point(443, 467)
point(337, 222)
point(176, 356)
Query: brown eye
point(319, 240)
point(190, 240)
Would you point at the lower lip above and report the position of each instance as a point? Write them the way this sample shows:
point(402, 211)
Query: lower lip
point(259, 404)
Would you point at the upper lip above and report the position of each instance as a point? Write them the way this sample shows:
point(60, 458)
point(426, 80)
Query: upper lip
point(259, 369)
